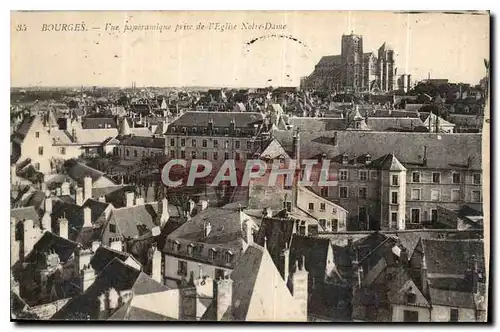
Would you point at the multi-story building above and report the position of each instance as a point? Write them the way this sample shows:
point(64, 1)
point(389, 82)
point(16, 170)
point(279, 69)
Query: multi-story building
point(386, 67)
point(395, 180)
point(214, 136)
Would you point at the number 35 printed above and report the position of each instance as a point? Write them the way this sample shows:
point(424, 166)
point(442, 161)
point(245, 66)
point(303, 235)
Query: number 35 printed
point(21, 28)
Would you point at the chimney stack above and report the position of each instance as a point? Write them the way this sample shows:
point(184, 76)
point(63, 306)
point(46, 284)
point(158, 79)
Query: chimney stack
point(156, 272)
point(95, 245)
point(139, 200)
point(286, 258)
point(223, 296)
point(46, 219)
point(102, 199)
point(79, 196)
point(87, 188)
point(87, 277)
point(113, 298)
point(164, 211)
point(87, 217)
point(30, 237)
point(207, 229)
point(13, 173)
point(129, 199)
point(300, 290)
point(63, 228)
point(65, 188)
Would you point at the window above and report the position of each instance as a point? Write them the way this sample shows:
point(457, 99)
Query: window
point(190, 248)
point(362, 192)
point(212, 253)
point(395, 180)
point(322, 223)
point(434, 215)
point(415, 177)
point(204, 143)
point(436, 177)
point(237, 144)
point(324, 191)
point(476, 178)
point(204, 155)
point(453, 315)
point(37, 134)
point(415, 216)
point(335, 225)
point(456, 177)
point(455, 195)
point(410, 316)
point(363, 175)
point(237, 156)
point(183, 142)
point(226, 155)
point(127, 153)
point(40, 150)
point(172, 142)
point(37, 166)
point(173, 129)
point(135, 153)
point(183, 154)
point(112, 228)
point(172, 153)
point(226, 144)
point(288, 206)
point(216, 143)
point(249, 145)
point(343, 192)
point(434, 194)
point(219, 274)
point(182, 269)
point(394, 218)
point(216, 155)
point(193, 154)
point(476, 196)
point(311, 206)
point(343, 175)
point(415, 194)
point(373, 175)
point(63, 150)
point(322, 206)
point(394, 197)
point(228, 257)
point(411, 297)
point(193, 143)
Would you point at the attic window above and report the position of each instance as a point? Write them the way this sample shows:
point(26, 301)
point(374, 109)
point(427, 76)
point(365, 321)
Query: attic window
point(176, 246)
point(173, 129)
point(228, 257)
point(190, 249)
point(212, 254)
point(411, 297)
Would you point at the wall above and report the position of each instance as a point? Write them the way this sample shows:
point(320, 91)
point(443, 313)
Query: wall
point(398, 313)
point(31, 143)
point(442, 314)
point(172, 266)
point(142, 152)
point(305, 197)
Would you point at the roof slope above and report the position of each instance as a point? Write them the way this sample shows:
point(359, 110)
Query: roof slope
point(220, 119)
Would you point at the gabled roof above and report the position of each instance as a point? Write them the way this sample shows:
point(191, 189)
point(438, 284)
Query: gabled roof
point(317, 124)
point(148, 142)
point(329, 61)
point(49, 242)
point(115, 275)
point(78, 171)
point(388, 162)
point(25, 213)
point(24, 128)
point(105, 255)
point(135, 220)
point(98, 123)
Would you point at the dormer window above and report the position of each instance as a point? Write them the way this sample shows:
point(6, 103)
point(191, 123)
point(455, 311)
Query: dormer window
point(411, 297)
point(184, 129)
point(190, 249)
point(345, 159)
point(228, 256)
point(176, 246)
point(212, 254)
point(173, 129)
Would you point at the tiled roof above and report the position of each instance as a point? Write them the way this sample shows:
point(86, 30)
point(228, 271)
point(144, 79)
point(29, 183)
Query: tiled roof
point(25, 126)
point(24, 213)
point(98, 123)
point(114, 195)
point(104, 255)
point(49, 242)
point(318, 124)
point(452, 256)
point(387, 123)
point(133, 221)
point(315, 251)
point(451, 298)
point(78, 171)
point(445, 151)
point(148, 142)
point(220, 119)
point(329, 61)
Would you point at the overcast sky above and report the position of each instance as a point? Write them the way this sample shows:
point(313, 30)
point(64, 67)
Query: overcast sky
point(446, 46)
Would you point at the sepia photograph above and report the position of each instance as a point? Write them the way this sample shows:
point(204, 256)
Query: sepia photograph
point(250, 166)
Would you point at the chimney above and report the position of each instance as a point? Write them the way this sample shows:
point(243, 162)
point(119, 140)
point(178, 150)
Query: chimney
point(13, 173)
point(286, 263)
point(87, 277)
point(46, 219)
point(207, 229)
point(15, 249)
point(65, 188)
point(267, 212)
point(63, 227)
point(79, 196)
point(48, 204)
point(82, 258)
point(249, 232)
point(368, 159)
point(203, 204)
point(116, 243)
point(113, 298)
point(139, 200)
point(164, 211)
point(223, 295)
point(87, 188)
point(87, 217)
point(125, 296)
point(29, 238)
point(102, 199)
point(156, 258)
point(300, 290)
point(129, 199)
point(95, 245)
point(58, 192)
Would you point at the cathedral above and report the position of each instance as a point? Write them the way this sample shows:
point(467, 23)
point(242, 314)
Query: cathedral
point(353, 70)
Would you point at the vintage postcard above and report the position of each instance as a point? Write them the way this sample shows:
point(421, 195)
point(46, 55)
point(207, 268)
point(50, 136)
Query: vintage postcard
point(326, 166)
